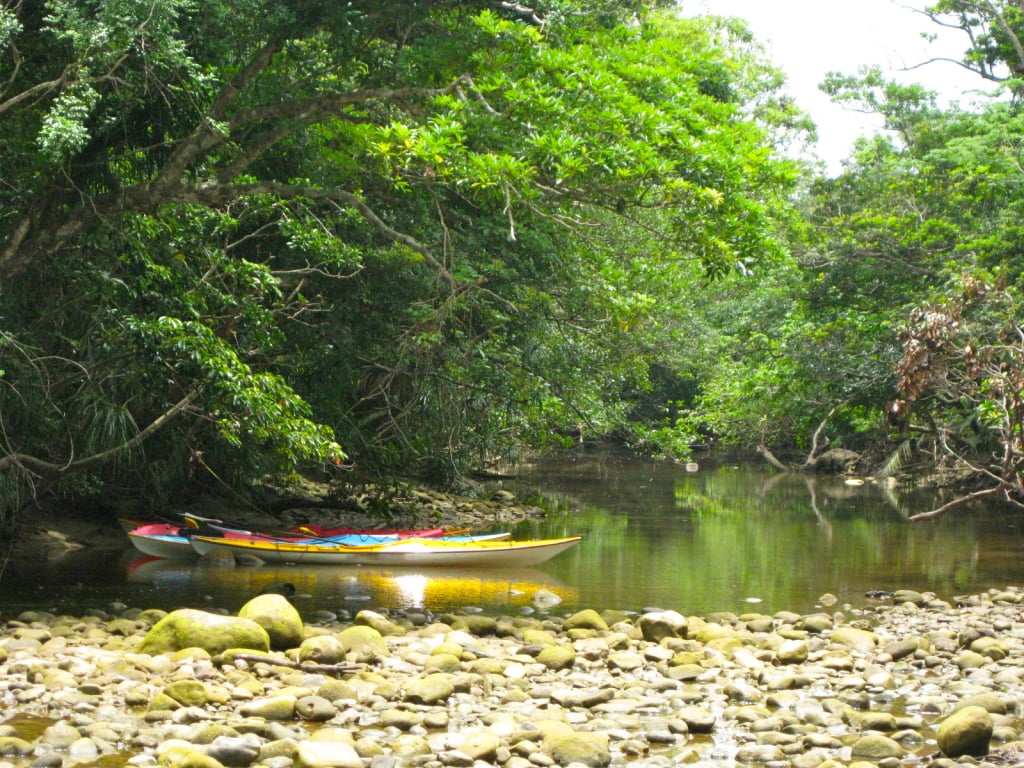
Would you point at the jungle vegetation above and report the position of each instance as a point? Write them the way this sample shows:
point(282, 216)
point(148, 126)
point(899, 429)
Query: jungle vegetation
point(243, 239)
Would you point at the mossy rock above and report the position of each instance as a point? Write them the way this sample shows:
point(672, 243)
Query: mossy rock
point(278, 617)
point(188, 628)
point(322, 649)
point(385, 626)
point(856, 639)
point(557, 657)
point(590, 749)
point(479, 625)
point(188, 693)
point(875, 747)
point(362, 642)
point(588, 618)
point(967, 731)
point(12, 746)
point(431, 689)
point(184, 757)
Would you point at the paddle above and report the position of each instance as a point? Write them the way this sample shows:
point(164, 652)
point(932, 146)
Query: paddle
point(279, 534)
point(195, 523)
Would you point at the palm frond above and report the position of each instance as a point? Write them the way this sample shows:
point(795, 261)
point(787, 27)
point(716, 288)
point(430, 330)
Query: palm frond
point(896, 459)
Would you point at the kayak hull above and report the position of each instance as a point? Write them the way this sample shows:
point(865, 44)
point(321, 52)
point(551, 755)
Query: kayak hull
point(204, 544)
point(162, 545)
point(407, 552)
point(166, 540)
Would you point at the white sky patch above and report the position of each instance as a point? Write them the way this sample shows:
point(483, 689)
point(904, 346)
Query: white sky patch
point(809, 38)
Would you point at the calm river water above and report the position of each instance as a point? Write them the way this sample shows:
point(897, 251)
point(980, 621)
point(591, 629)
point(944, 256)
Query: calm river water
point(725, 538)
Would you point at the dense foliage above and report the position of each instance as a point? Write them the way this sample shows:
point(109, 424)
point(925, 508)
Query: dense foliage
point(895, 330)
point(241, 238)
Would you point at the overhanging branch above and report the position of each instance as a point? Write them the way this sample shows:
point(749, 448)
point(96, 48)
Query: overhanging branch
point(45, 468)
point(958, 502)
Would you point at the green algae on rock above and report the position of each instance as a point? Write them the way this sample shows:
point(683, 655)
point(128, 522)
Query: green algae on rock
point(191, 628)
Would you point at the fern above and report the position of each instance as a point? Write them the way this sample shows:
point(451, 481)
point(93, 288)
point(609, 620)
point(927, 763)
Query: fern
point(896, 459)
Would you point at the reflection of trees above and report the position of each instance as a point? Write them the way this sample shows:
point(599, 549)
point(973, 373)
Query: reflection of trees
point(825, 496)
point(604, 479)
point(799, 529)
point(703, 541)
point(822, 521)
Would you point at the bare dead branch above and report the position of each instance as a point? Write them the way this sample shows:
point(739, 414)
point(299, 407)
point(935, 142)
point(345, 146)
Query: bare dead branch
point(522, 11)
point(958, 502)
point(43, 467)
point(813, 454)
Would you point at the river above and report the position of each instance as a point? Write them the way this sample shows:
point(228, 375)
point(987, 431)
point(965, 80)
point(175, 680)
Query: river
point(734, 538)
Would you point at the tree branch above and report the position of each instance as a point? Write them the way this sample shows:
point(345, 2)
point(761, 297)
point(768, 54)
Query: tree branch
point(987, 75)
point(958, 502)
point(31, 237)
point(524, 12)
point(813, 454)
point(42, 467)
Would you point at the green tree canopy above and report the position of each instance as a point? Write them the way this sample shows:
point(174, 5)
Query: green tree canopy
point(235, 234)
point(894, 330)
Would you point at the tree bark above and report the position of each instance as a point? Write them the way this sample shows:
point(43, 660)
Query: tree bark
point(772, 459)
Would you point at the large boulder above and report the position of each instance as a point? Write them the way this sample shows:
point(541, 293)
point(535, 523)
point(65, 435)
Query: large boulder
point(657, 625)
point(967, 731)
point(275, 614)
point(191, 628)
point(835, 461)
point(590, 749)
point(363, 643)
point(862, 640)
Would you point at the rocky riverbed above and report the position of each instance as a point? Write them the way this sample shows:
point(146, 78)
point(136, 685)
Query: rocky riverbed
point(913, 680)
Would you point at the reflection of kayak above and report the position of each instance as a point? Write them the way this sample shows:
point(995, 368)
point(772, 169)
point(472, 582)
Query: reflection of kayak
point(173, 541)
point(142, 566)
point(414, 552)
point(356, 587)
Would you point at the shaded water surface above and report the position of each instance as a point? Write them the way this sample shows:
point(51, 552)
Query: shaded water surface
point(726, 538)
point(742, 538)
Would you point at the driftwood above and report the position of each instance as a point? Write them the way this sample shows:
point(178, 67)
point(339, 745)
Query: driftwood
point(772, 459)
point(832, 461)
point(958, 502)
point(820, 459)
point(326, 669)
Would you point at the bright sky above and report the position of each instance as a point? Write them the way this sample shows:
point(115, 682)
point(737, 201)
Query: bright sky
point(808, 38)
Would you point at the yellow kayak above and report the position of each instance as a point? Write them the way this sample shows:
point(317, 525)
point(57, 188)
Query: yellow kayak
point(420, 552)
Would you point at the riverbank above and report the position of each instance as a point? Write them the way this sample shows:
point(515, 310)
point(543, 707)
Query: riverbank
point(48, 532)
point(880, 686)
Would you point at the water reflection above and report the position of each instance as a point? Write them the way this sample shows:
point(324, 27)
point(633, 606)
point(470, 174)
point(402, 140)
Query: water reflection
point(655, 535)
point(351, 588)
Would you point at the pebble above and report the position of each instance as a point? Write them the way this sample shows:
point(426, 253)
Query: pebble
point(530, 691)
